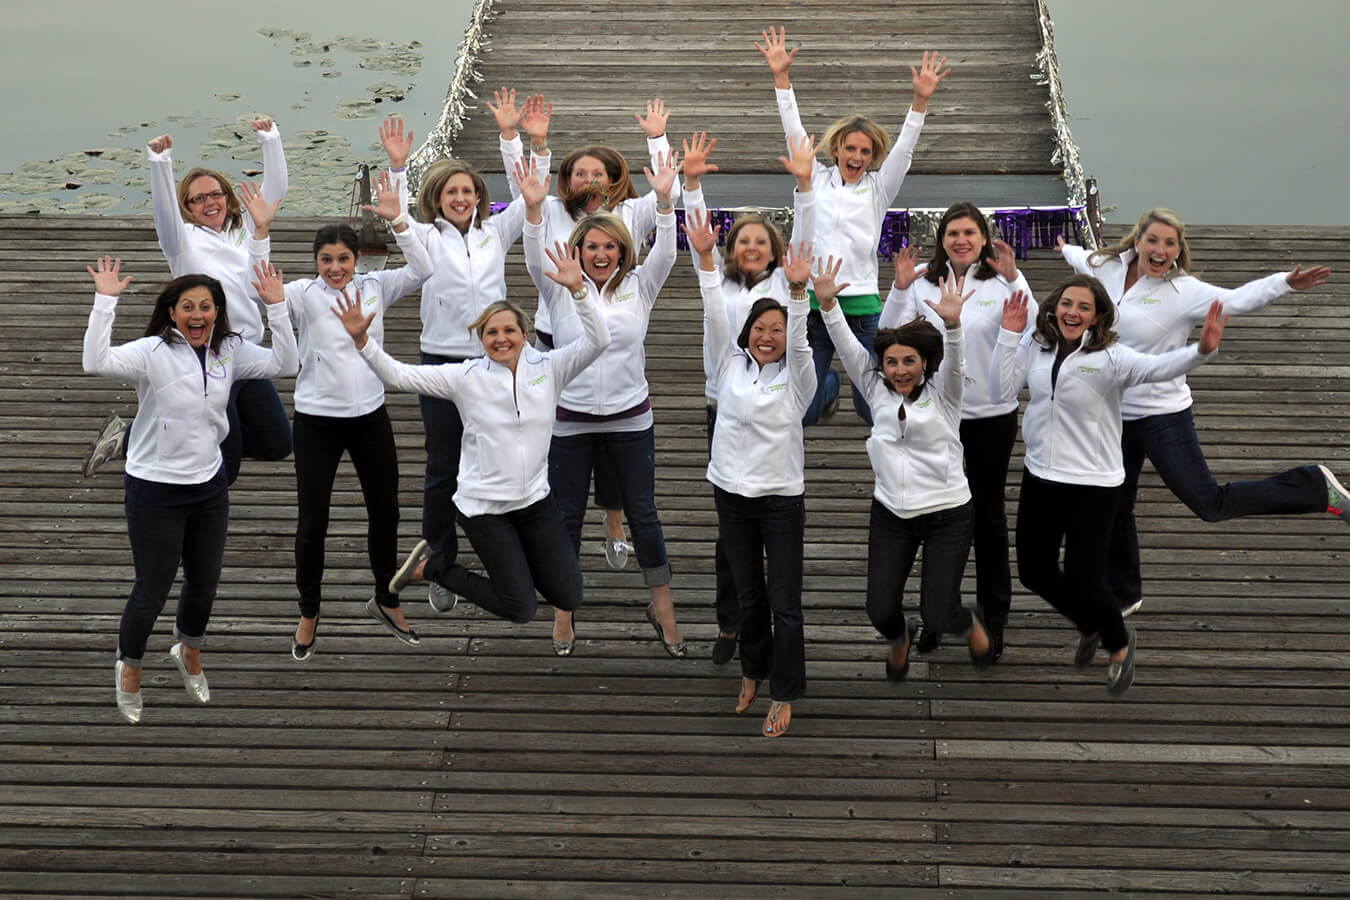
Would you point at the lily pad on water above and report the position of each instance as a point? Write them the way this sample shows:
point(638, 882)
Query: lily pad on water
point(228, 97)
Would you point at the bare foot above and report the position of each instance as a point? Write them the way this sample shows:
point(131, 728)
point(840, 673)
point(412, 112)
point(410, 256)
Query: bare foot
point(131, 679)
point(192, 658)
point(663, 605)
point(397, 615)
point(417, 574)
point(746, 698)
point(978, 639)
point(900, 655)
point(614, 524)
point(562, 627)
point(777, 721)
point(304, 632)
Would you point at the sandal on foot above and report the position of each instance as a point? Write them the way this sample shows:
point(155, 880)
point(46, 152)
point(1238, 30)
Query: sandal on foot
point(777, 721)
point(675, 651)
point(749, 693)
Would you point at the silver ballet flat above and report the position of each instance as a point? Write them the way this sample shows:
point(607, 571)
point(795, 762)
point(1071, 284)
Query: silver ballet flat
point(128, 702)
point(195, 685)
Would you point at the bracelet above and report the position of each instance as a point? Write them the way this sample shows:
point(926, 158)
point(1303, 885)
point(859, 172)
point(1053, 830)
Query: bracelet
point(797, 287)
point(540, 151)
point(581, 293)
point(797, 293)
point(665, 206)
point(400, 219)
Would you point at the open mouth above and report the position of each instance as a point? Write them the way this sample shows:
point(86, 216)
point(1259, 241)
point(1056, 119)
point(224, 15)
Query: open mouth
point(196, 334)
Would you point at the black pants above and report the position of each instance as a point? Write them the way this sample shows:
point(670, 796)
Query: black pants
point(892, 545)
point(1079, 517)
point(444, 432)
point(523, 550)
point(725, 604)
point(319, 444)
point(258, 426)
point(988, 445)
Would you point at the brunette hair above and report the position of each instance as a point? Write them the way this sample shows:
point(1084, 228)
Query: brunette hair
point(757, 309)
point(937, 266)
point(1162, 216)
point(776, 246)
point(161, 322)
point(1100, 335)
point(234, 216)
point(620, 180)
point(337, 234)
point(434, 181)
point(479, 324)
point(919, 334)
point(613, 226)
point(835, 134)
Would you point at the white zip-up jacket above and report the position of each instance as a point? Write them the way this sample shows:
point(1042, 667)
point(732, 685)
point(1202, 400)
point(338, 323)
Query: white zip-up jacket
point(918, 461)
point(508, 418)
point(617, 381)
point(638, 213)
point(981, 321)
point(757, 445)
point(469, 269)
point(1072, 429)
point(333, 380)
point(737, 298)
point(849, 216)
point(180, 414)
point(221, 254)
point(1157, 314)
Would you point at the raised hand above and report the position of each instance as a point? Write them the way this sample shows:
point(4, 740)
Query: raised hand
point(262, 123)
point(535, 116)
point(696, 150)
point(260, 209)
point(161, 143)
point(1301, 279)
point(777, 55)
point(927, 77)
point(386, 205)
point(1212, 333)
point(1059, 242)
point(702, 235)
point(800, 160)
point(826, 287)
point(107, 277)
point(663, 180)
point(353, 319)
point(396, 143)
point(503, 107)
point(906, 266)
point(952, 301)
point(268, 284)
point(1004, 260)
point(797, 263)
point(654, 122)
point(1015, 312)
point(566, 269)
point(531, 188)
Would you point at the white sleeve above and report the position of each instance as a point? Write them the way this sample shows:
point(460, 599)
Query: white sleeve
point(169, 225)
point(803, 216)
point(569, 359)
point(801, 362)
point(281, 360)
point(1133, 367)
point(718, 343)
point(897, 162)
point(100, 357)
point(1239, 301)
point(441, 380)
point(1008, 368)
point(855, 357)
point(536, 263)
point(394, 283)
point(513, 151)
point(1078, 259)
point(789, 115)
point(276, 180)
point(654, 271)
point(953, 368)
point(899, 307)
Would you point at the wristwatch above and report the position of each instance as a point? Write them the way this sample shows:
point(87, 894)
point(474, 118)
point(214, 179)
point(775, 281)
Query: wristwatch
point(580, 293)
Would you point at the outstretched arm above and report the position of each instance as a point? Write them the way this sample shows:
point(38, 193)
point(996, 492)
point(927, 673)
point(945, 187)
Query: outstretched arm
point(99, 357)
point(778, 56)
point(276, 180)
point(169, 225)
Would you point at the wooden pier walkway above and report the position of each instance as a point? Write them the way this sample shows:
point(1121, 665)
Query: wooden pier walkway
point(480, 765)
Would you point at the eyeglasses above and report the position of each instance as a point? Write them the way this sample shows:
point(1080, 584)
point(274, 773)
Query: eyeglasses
point(197, 199)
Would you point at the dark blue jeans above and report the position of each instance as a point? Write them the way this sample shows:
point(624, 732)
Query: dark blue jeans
point(259, 428)
point(161, 536)
point(607, 494)
point(1170, 443)
point(988, 445)
point(1078, 516)
point(633, 455)
point(822, 352)
point(522, 551)
point(754, 530)
point(319, 445)
point(892, 545)
point(444, 431)
point(725, 602)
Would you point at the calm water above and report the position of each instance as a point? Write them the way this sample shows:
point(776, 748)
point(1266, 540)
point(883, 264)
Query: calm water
point(1228, 112)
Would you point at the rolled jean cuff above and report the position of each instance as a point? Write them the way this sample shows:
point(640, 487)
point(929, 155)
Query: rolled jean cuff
point(188, 640)
point(657, 577)
point(128, 661)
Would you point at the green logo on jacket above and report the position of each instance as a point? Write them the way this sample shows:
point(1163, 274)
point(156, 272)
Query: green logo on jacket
point(533, 382)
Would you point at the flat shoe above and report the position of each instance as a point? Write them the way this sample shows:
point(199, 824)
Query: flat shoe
point(408, 637)
point(986, 659)
point(404, 576)
point(1120, 675)
point(723, 649)
point(675, 651)
point(195, 685)
point(1087, 648)
point(777, 721)
point(749, 693)
point(128, 702)
point(302, 652)
point(898, 673)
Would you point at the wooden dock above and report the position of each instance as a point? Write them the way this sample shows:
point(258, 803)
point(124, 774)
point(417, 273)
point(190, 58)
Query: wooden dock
point(481, 765)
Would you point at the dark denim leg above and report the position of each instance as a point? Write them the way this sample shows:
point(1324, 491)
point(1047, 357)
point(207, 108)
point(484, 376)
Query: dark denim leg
point(266, 430)
point(1174, 450)
point(607, 493)
point(988, 447)
point(822, 353)
point(727, 607)
point(232, 448)
point(203, 554)
point(738, 527)
point(318, 450)
point(552, 564)
point(156, 534)
point(443, 432)
point(782, 525)
point(1041, 524)
point(1122, 559)
point(571, 460)
point(865, 329)
point(892, 545)
point(508, 591)
point(371, 445)
point(946, 548)
point(633, 455)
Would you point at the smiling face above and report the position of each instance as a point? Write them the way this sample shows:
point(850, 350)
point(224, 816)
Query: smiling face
point(903, 367)
point(1075, 312)
point(458, 200)
point(503, 338)
point(853, 155)
point(963, 242)
point(590, 174)
point(207, 202)
point(194, 315)
point(336, 264)
point(600, 255)
point(753, 250)
point(768, 337)
point(1158, 248)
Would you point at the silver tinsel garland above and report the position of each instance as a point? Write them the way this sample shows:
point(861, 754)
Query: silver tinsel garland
point(1066, 151)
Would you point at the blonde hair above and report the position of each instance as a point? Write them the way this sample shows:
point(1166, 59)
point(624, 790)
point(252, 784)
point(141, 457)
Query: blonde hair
point(835, 134)
point(438, 174)
point(1160, 215)
point(613, 226)
point(234, 216)
point(478, 325)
